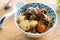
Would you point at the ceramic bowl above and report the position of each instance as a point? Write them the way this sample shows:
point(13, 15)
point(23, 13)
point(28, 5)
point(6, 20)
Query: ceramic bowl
point(39, 5)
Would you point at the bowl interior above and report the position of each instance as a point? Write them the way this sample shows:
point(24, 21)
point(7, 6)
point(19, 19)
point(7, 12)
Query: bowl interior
point(39, 5)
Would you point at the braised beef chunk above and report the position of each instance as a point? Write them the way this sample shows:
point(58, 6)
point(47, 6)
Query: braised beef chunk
point(40, 11)
point(29, 12)
point(35, 11)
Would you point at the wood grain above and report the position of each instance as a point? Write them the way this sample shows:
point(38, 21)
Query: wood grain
point(11, 32)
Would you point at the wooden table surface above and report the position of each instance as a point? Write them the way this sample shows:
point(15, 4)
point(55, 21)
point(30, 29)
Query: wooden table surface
point(11, 32)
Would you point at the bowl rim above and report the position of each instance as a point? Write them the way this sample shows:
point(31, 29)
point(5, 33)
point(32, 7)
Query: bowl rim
point(36, 33)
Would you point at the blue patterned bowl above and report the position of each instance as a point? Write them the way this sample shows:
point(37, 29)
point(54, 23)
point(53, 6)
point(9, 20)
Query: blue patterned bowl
point(40, 5)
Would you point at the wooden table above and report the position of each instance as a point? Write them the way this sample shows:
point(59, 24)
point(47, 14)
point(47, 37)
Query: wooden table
point(10, 31)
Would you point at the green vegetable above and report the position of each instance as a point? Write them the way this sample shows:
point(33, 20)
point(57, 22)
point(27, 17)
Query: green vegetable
point(58, 1)
point(32, 17)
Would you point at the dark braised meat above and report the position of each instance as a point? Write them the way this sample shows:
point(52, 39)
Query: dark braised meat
point(29, 11)
point(40, 11)
point(36, 11)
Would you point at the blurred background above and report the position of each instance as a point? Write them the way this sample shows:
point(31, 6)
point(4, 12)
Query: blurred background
point(10, 31)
